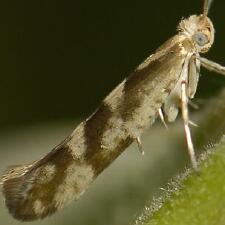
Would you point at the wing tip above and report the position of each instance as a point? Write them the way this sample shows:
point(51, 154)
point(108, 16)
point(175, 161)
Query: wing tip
point(17, 181)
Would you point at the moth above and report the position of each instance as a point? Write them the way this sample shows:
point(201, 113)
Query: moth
point(159, 87)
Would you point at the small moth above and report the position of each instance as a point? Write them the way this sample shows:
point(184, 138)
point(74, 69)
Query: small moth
point(159, 87)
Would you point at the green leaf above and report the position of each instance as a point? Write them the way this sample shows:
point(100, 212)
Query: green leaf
point(193, 198)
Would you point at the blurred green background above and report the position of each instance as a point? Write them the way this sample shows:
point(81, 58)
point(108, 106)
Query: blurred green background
point(59, 59)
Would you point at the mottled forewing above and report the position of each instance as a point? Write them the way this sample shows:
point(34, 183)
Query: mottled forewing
point(39, 189)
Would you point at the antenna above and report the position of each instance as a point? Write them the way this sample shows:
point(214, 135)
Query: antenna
point(206, 7)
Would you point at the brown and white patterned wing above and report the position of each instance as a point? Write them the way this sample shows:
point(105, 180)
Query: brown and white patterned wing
point(39, 189)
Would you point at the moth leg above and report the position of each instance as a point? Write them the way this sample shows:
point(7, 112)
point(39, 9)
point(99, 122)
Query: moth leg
point(212, 66)
point(184, 109)
point(162, 118)
point(140, 148)
point(104, 147)
point(192, 123)
point(193, 105)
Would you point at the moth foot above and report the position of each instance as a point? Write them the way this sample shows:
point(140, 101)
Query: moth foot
point(104, 147)
point(162, 118)
point(140, 148)
point(193, 123)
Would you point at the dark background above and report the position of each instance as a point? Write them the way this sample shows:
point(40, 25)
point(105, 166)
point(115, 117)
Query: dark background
point(58, 59)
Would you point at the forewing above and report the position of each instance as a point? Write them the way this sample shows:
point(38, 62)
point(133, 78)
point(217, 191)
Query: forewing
point(39, 189)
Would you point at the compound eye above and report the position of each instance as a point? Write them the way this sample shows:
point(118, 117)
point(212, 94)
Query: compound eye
point(201, 38)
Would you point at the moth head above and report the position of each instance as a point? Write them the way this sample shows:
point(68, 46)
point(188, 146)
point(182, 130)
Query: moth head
point(200, 30)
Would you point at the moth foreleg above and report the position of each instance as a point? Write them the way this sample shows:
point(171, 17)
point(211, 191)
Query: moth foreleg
point(212, 66)
point(162, 118)
point(140, 148)
point(184, 109)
